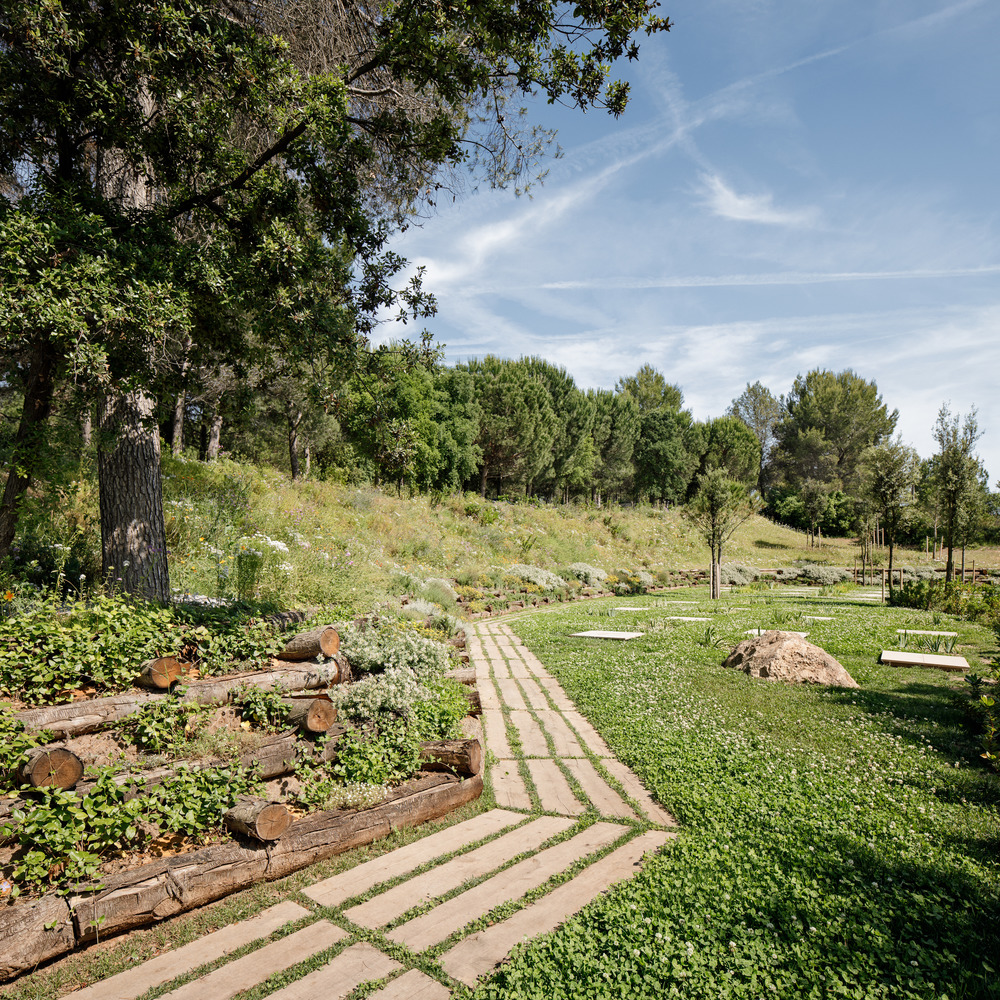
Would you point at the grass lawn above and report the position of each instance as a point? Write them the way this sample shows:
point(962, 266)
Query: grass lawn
point(835, 843)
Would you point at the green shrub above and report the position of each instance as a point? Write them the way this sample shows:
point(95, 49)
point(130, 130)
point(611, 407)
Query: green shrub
point(535, 574)
point(385, 754)
point(590, 576)
point(375, 649)
point(738, 575)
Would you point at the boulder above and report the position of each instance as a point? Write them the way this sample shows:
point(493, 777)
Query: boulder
point(784, 656)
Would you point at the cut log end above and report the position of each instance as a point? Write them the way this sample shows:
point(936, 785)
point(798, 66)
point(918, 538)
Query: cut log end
point(256, 818)
point(323, 640)
point(159, 673)
point(311, 715)
point(50, 766)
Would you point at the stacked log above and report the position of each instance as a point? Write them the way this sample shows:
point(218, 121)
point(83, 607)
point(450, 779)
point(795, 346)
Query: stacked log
point(80, 717)
point(159, 673)
point(257, 818)
point(50, 766)
point(323, 640)
point(53, 926)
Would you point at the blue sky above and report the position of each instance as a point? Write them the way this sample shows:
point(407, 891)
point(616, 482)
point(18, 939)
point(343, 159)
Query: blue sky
point(796, 184)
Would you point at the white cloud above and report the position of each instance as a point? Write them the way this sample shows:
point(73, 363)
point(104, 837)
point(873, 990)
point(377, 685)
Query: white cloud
point(722, 200)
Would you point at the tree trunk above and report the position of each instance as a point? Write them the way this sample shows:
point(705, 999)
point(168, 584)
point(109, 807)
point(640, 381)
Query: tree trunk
point(177, 429)
point(294, 419)
point(214, 435)
point(177, 425)
point(308, 454)
point(482, 481)
point(86, 427)
point(133, 535)
point(28, 442)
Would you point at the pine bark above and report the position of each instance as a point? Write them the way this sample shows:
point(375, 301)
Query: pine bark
point(133, 534)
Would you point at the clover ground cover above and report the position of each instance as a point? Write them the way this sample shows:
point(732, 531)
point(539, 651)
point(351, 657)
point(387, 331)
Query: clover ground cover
point(835, 842)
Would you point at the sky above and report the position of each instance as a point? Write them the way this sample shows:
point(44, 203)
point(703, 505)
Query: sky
point(796, 184)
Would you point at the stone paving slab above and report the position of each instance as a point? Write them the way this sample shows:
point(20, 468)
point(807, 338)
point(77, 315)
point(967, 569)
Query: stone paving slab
point(500, 670)
point(511, 693)
point(532, 738)
point(358, 964)
point(534, 694)
point(635, 789)
point(607, 801)
point(553, 789)
point(179, 962)
point(339, 888)
point(488, 698)
point(394, 902)
point(479, 953)
point(588, 734)
point(496, 732)
point(508, 786)
point(228, 980)
point(556, 693)
point(447, 918)
point(413, 985)
point(520, 670)
point(563, 738)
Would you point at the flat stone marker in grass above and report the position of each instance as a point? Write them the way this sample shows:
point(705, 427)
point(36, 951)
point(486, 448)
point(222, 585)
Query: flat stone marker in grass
point(761, 631)
point(533, 742)
point(632, 607)
point(563, 738)
point(553, 789)
point(637, 791)
point(511, 693)
point(602, 634)
point(413, 985)
point(394, 902)
point(818, 618)
point(904, 658)
point(508, 786)
point(358, 964)
point(606, 800)
point(248, 971)
point(476, 955)
point(441, 922)
point(917, 631)
point(134, 982)
point(338, 888)
point(684, 618)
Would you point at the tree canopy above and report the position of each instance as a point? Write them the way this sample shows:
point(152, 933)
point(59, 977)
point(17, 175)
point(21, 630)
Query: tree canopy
point(229, 175)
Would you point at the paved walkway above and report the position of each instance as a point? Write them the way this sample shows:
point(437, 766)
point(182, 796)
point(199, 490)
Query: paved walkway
point(563, 801)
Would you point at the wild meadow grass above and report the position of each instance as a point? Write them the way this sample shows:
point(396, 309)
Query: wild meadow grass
point(834, 843)
point(237, 530)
